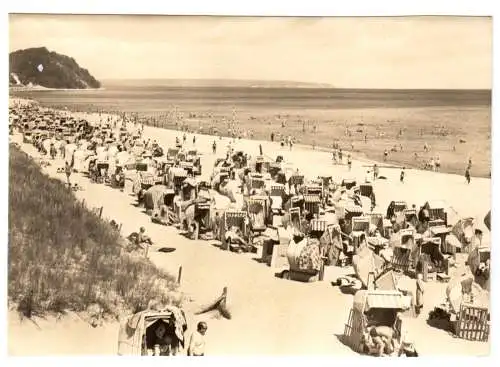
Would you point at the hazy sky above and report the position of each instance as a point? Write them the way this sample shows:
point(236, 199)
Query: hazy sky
point(430, 52)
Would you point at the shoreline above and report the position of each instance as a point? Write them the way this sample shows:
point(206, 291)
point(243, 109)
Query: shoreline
point(39, 88)
point(357, 154)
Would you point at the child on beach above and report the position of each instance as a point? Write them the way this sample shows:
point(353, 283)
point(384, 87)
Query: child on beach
point(196, 346)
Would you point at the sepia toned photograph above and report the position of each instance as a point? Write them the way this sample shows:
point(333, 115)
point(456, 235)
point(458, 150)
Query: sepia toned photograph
point(241, 185)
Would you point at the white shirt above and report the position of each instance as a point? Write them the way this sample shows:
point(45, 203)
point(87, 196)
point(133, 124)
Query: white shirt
point(197, 344)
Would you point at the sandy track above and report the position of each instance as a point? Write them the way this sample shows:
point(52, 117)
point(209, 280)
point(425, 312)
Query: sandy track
point(271, 315)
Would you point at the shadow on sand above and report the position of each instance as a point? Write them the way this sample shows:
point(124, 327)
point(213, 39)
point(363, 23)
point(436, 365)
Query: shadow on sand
point(166, 249)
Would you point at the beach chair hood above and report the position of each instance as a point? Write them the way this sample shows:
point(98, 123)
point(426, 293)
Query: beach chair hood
point(132, 330)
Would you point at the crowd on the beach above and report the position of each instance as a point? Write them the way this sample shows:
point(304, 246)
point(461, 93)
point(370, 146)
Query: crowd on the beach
point(251, 203)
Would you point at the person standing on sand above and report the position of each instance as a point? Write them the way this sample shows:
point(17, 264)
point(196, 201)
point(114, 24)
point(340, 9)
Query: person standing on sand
point(402, 175)
point(340, 156)
point(214, 147)
point(386, 153)
point(433, 165)
point(375, 172)
point(349, 162)
point(196, 346)
point(467, 175)
point(438, 164)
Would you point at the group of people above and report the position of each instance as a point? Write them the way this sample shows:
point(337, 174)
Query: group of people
point(164, 343)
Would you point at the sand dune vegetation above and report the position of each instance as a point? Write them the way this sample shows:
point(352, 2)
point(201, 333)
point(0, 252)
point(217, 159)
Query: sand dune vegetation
point(63, 257)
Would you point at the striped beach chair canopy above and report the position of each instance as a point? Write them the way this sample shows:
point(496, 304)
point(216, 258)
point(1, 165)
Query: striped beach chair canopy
point(361, 224)
point(186, 165)
point(312, 199)
point(234, 218)
point(297, 179)
point(313, 189)
point(400, 206)
point(178, 172)
point(318, 225)
point(277, 189)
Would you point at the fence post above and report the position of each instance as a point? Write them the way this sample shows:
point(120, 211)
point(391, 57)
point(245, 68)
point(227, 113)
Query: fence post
point(179, 277)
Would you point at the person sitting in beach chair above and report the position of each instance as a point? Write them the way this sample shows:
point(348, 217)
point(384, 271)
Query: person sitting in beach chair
point(234, 236)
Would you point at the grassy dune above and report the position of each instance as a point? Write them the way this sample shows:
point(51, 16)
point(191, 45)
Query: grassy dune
point(63, 257)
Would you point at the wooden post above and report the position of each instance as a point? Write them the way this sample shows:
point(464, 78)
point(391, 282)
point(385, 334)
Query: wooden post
point(179, 277)
point(321, 275)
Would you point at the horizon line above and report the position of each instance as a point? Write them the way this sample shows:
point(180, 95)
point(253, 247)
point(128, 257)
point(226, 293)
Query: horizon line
point(323, 85)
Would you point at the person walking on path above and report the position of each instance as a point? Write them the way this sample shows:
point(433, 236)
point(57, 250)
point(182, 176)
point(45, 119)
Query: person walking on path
point(196, 346)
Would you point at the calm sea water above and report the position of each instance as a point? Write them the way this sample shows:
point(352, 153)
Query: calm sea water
point(155, 97)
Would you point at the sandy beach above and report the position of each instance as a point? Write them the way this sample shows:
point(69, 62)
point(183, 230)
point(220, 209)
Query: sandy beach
point(270, 315)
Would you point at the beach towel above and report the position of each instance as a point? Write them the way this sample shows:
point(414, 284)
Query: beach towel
point(310, 258)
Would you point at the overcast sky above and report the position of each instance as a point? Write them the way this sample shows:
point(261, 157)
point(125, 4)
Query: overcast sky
point(430, 52)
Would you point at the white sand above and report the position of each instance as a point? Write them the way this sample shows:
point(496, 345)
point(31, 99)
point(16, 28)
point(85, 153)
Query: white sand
point(270, 315)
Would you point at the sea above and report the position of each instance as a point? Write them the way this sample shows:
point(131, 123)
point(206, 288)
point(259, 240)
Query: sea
point(153, 96)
